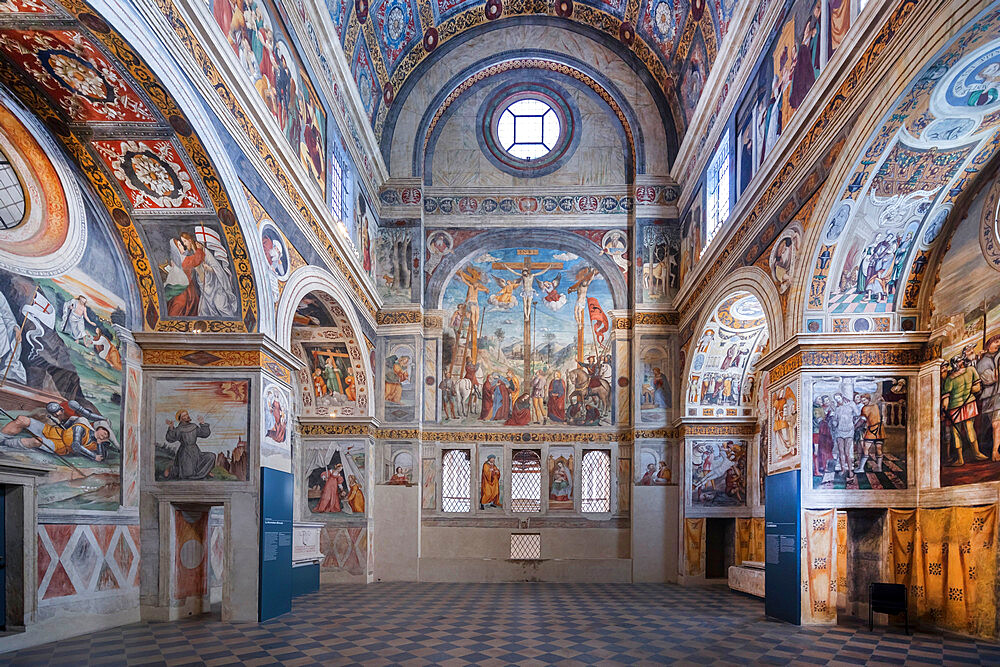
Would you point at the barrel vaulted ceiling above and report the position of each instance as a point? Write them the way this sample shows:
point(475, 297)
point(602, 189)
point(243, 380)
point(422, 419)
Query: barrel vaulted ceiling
point(389, 43)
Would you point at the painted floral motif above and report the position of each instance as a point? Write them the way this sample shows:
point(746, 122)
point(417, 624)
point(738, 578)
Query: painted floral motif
point(24, 7)
point(151, 174)
point(76, 74)
point(395, 27)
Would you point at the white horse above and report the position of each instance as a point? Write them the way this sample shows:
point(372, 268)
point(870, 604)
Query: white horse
point(467, 391)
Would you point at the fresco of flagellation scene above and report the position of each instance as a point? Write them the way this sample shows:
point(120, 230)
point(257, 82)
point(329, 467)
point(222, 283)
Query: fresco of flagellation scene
point(722, 381)
point(859, 432)
point(63, 295)
point(527, 341)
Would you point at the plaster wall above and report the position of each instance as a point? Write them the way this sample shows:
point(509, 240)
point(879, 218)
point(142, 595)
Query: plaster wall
point(655, 513)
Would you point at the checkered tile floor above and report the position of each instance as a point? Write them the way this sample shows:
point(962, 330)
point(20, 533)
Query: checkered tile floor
point(501, 624)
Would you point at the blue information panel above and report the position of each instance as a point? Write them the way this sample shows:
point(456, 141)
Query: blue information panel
point(275, 543)
point(782, 537)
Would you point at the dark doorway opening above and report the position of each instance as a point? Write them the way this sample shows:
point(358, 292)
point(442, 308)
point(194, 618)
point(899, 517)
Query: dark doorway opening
point(865, 529)
point(720, 547)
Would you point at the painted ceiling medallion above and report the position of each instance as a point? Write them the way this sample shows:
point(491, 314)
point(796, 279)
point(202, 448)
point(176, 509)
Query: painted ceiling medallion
point(626, 33)
point(430, 39)
point(361, 9)
point(76, 74)
point(564, 8)
point(151, 174)
point(388, 94)
point(494, 9)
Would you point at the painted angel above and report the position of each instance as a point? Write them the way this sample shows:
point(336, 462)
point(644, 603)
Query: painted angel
point(553, 299)
point(504, 299)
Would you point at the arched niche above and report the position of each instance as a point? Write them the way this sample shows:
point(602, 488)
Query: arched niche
point(868, 261)
point(314, 325)
point(719, 378)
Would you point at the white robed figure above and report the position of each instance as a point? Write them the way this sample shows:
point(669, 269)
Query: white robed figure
point(75, 318)
point(10, 348)
point(215, 281)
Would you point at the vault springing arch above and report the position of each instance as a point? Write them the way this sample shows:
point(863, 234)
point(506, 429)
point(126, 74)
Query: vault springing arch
point(870, 257)
point(727, 311)
point(160, 102)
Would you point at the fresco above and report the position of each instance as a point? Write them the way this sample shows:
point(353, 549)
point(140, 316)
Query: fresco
point(788, 69)
point(428, 484)
point(201, 430)
point(718, 473)
point(880, 233)
point(399, 395)
point(64, 296)
point(722, 381)
point(561, 477)
point(655, 395)
point(859, 432)
point(276, 428)
point(690, 249)
point(336, 479)
point(194, 270)
point(658, 261)
point(401, 467)
point(491, 491)
point(394, 258)
point(783, 449)
point(333, 382)
point(655, 465)
point(781, 261)
point(61, 383)
point(366, 226)
point(267, 56)
point(966, 304)
point(527, 340)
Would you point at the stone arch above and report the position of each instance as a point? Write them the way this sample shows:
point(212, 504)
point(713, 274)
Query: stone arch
point(170, 117)
point(309, 280)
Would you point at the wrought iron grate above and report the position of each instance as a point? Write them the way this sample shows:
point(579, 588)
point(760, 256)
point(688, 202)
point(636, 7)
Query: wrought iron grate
point(456, 491)
point(596, 478)
point(526, 481)
point(525, 546)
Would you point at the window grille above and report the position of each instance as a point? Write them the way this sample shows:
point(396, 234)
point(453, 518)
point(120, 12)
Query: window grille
point(11, 195)
point(525, 546)
point(526, 481)
point(528, 129)
point(456, 469)
point(596, 479)
point(338, 194)
point(717, 210)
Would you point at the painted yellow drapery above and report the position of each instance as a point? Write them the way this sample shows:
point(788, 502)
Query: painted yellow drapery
point(842, 560)
point(757, 539)
point(945, 558)
point(694, 541)
point(819, 585)
point(749, 539)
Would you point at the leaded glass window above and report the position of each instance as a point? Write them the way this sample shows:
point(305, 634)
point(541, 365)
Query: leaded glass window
point(596, 481)
point(526, 481)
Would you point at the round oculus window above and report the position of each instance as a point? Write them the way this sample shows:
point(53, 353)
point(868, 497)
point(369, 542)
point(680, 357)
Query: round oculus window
point(527, 129)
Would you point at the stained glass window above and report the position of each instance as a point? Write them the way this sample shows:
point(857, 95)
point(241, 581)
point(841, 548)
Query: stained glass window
point(596, 481)
point(526, 481)
point(456, 470)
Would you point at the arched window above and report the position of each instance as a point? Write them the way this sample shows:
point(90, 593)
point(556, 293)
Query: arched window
point(456, 490)
point(11, 195)
point(717, 210)
point(526, 481)
point(596, 479)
